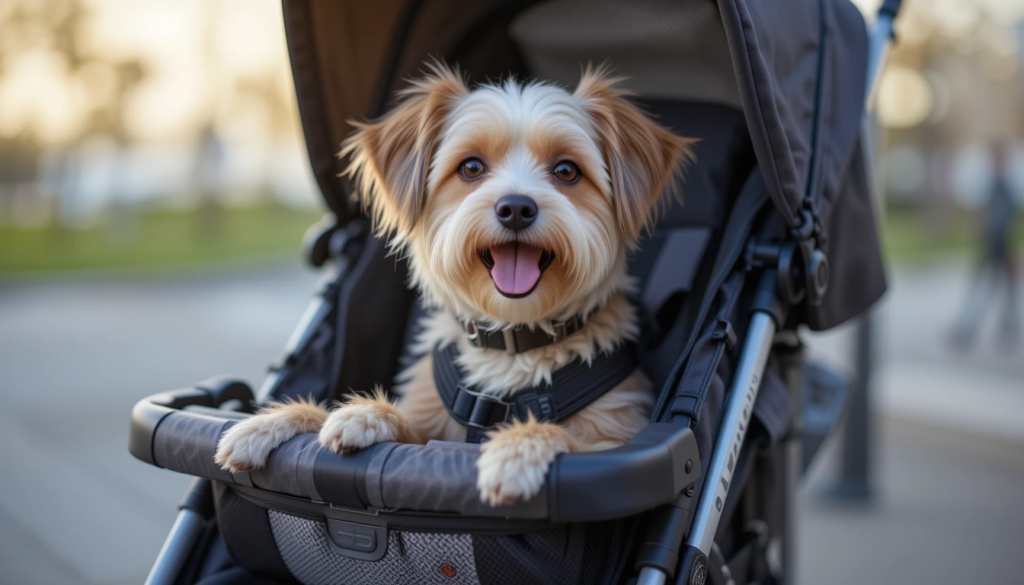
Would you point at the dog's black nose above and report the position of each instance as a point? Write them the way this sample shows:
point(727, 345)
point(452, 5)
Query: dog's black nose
point(516, 212)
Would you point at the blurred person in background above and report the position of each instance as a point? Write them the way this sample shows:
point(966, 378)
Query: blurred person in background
point(997, 265)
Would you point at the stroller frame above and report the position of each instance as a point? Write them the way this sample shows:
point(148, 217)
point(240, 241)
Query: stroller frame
point(745, 386)
point(667, 550)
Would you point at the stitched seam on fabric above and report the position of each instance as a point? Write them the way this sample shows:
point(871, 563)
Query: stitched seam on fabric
point(750, 42)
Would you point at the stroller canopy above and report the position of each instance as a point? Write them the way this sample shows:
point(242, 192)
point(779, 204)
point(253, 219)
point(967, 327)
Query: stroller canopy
point(796, 69)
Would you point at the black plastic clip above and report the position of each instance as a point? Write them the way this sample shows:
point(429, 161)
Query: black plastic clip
point(810, 239)
point(327, 240)
point(809, 226)
point(724, 332)
point(474, 409)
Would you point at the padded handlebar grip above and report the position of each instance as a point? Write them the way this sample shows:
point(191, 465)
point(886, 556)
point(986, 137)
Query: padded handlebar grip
point(149, 412)
point(650, 470)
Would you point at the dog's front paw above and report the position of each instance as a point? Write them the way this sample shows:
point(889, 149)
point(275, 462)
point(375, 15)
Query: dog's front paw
point(246, 445)
point(361, 422)
point(515, 461)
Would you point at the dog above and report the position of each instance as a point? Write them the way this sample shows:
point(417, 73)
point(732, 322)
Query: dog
point(516, 204)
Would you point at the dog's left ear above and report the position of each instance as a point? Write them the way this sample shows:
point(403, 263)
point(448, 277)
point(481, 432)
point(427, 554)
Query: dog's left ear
point(390, 157)
point(643, 157)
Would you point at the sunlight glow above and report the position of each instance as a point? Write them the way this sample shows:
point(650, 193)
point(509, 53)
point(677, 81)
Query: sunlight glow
point(904, 98)
point(193, 55)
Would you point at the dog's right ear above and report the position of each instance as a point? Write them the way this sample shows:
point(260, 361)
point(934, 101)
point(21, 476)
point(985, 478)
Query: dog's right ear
point(389, 158)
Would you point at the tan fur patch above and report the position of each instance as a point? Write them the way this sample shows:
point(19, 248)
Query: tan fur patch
point(390, 158)
point(643, 157)
point(422, 407)
point(247, 444)
point(514, 462)
point(361, 421)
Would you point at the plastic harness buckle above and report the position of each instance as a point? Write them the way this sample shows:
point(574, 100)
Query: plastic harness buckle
point(475, 409)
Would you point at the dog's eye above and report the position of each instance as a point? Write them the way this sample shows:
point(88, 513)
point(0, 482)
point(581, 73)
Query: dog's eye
point(567, 172)
point(471, 168)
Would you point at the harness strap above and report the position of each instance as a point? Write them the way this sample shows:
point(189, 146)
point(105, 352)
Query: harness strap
point(572, 388)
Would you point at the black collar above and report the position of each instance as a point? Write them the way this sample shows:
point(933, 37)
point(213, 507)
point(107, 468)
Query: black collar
point(573, 387)
point(520, 339)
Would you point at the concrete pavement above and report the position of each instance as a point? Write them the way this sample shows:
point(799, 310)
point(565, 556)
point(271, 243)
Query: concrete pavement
point(923, 376)
point(949, 453)
point(76, 354)
point(946, 511)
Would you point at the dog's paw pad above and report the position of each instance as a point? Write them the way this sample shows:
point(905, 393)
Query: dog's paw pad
point(514, 463)
point(357, 426)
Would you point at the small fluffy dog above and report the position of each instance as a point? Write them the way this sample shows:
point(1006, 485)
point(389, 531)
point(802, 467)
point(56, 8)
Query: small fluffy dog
point(516, 205)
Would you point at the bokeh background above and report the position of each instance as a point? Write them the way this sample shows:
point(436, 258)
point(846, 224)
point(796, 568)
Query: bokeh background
point(154, 191)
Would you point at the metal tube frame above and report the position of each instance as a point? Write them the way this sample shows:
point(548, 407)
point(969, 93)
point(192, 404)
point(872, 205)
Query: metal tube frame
point(750, 368)
point(177, 547)
point(651, 576)
point(792, 457)
point(739, 408)
point(879, 44)
point(747, 380)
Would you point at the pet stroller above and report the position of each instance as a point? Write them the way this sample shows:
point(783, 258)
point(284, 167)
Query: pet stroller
point(777, 231)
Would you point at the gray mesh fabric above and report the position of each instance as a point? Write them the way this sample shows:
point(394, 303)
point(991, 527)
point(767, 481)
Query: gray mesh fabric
point(412, 558)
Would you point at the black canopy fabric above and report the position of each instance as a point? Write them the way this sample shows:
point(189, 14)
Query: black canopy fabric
point(801, 67)
point(798, 71)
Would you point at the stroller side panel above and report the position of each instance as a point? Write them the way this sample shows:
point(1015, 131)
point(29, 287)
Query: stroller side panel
point(411, 557)
point(277, 542)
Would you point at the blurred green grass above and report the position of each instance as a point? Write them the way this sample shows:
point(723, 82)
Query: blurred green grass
point(908, 236)
point(157, 240)
point(161, 240)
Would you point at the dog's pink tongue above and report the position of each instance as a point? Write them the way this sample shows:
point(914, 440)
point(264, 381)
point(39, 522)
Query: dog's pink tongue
point(516, 267)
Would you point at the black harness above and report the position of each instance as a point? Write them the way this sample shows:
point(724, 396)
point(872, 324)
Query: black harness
point(572, 388)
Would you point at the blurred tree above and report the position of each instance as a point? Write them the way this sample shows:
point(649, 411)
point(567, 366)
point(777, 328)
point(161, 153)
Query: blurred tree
point(55, 28)
point(262, 91)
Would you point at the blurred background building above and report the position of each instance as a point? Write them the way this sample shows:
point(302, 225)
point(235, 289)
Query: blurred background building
point(154, 189)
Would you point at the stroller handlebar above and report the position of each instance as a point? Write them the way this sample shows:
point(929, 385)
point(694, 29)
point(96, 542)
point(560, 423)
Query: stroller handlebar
point(179, 430)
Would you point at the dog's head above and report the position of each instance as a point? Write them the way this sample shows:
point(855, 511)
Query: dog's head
point(515, 202)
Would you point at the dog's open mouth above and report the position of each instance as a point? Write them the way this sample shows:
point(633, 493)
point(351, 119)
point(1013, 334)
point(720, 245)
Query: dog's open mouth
point(516, 267)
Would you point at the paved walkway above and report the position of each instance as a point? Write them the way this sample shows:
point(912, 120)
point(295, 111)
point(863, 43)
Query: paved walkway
point(75, 507)
point(921, 375)
point(949, 456)
point(75, 356)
